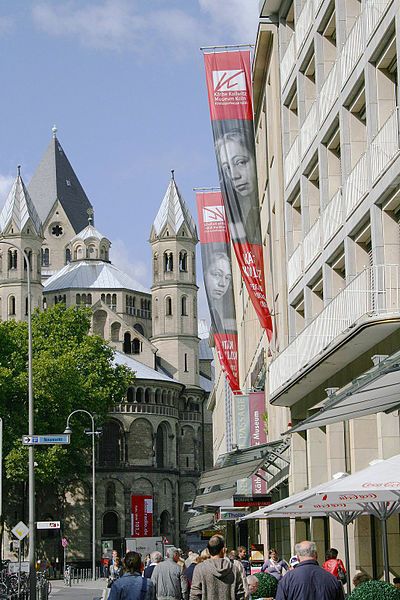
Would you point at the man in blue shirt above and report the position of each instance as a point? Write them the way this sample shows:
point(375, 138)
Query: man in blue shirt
point(132, 586)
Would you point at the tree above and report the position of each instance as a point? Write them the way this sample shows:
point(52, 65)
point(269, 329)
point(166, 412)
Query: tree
point(71, 369)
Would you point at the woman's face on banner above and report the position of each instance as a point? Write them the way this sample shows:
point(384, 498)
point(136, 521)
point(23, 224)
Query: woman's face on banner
point(218, 277)
point(238, 164)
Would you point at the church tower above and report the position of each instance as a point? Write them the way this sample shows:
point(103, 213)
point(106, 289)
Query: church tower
point(20, 230)
point(173, 240)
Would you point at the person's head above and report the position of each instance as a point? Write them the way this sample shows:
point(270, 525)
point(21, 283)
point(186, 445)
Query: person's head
point(117, 561)
point(241, 552)
point(194, 557)
point(173, 554)
point(252, 583)
point(156, 557)
point(114, 554)
point(204, 554)
point(216, 546)
point(332, 553)
point(218, 275)
point(396, 582)
point(232, 555)
point(237, 162)
point(306, 551)
point(360, 578)
point(273, 553)
point(133, 562)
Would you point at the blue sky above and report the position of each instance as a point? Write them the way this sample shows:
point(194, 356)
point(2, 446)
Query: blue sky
point(123, 81)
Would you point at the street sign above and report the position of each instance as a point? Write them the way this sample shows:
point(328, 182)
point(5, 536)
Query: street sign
point(20, 530)
point(64, 542)
point(14, 567)
point(48, 524)
point(48, 439)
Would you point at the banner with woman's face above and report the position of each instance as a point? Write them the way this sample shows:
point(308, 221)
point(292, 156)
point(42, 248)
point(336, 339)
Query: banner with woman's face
point(229, 93)
point(217, 269)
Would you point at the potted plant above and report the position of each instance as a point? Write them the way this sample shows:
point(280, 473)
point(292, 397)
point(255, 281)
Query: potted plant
point(374, 590)
point(267, 586)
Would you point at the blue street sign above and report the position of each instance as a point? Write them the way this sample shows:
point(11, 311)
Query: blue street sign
point(49, 439)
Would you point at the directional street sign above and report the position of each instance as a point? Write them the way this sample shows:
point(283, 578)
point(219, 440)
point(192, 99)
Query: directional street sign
point(20, 530)
point(64, 542)
point(48, 524)
point(49, 439)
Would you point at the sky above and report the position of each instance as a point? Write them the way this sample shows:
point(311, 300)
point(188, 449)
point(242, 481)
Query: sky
point(123, 81)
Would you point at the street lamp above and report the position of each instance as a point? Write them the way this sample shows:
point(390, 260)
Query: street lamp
point(31, 452)
point(93, 433)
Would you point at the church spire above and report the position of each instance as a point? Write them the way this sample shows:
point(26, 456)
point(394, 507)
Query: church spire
point(173, 214)
point(19, 210)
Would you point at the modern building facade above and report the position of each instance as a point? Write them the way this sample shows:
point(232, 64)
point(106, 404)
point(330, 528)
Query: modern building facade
point(328, 157)
point(158, 440)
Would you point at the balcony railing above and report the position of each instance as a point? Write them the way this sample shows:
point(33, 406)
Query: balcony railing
point(312, 244)
point(154, 409)
point(356, 185)
point(295, 266)
point(288, 61)
point(304, 24)
point(353, 47)
point(309, 128)
point(332, 217)
point(374, 292)
point(329, 92)
point(292, 161)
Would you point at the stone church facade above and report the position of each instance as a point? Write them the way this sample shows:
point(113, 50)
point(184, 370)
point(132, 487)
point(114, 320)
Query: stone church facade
point(159, 439)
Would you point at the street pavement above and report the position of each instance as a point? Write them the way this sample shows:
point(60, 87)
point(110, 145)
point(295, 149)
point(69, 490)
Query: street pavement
point(87, 590)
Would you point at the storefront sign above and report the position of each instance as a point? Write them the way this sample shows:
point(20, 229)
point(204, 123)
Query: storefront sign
point(252, 500)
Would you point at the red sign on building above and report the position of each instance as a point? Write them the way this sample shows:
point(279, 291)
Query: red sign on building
point(141, 516)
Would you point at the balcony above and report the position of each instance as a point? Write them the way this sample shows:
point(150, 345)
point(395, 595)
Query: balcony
point(292, 161)
point(288, 60)
point(309, 128)
point(295, 266)
point(332, 217)
point(304, 24)
point(329, 92)
point(368, 307)
point(312, 244)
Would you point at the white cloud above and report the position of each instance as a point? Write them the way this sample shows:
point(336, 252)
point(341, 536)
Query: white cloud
point(6, 182)
point(121, 257)
point(123, 24)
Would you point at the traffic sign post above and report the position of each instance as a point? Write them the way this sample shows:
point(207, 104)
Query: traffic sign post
point(20, 530)
point(46, 440)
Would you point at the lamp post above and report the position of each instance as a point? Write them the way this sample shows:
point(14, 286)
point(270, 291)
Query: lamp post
point(31, 452)
point(93, 432)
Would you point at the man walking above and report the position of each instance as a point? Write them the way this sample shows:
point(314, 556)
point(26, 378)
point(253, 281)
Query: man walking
point(217, 578)
point(169, 581)
point(155, 558)
point(308, 579)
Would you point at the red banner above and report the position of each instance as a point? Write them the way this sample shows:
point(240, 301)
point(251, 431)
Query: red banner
point(141, 516)
point(228, 77)
point(258, 434)
point(217, 269)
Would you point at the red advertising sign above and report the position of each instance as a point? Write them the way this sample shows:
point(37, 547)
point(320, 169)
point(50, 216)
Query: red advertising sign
point(141, 516)
point(217, 269)
point(228, 77)
point(257, 434)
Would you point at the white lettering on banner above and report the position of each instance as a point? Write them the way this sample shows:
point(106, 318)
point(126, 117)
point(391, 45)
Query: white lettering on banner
point(256, 434)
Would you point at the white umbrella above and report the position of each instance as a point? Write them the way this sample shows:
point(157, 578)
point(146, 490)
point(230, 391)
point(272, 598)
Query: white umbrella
point(375, 490)
point(308, 504)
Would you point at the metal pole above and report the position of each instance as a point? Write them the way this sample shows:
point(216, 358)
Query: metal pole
point(385, 550)
point(347, 554)
point(93, 504)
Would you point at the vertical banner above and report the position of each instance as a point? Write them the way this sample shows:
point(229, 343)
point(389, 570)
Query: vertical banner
point(217, 269)
point(228, 78)
point(141, 516)
point(258, 434)
point(242, 414)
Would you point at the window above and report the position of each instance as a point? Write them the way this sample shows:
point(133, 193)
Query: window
point(110, 494)
point(29, 255)
point(183, 261)
point(12, 259)
point(57, 230)
point(139, 328)
point(11, 305)
point(136, 346)
point(45, 254)
point(184, 306)
point(67, 256)
point(186, 363)
point(110, 523)
point(168, 306)
point(168, 262)
point(127, 343)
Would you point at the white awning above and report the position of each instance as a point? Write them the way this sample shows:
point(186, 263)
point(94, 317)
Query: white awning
point(377, 390)
point(200, 522)
point(218, 497)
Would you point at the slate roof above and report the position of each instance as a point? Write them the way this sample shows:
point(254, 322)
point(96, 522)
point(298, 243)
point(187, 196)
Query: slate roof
point(55, 179)
point(142, 371)
point(174, 212)
point(94, 274)
point(19, 208)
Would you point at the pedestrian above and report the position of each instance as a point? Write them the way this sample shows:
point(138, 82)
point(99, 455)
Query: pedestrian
point(242, 557)
point(309, 581)
point(132, 586)
point(360, 578)
point(115, 571)
point(396, 582)
point(217, 578)
point(234, 558)
point(155, 558)
point(168, 579)
point(275, 565)
point(334, 565)
point(189, 561)
point(195, 559)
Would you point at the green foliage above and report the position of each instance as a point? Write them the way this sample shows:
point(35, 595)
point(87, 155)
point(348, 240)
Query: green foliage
point(375, 590)
point(71, 370)
point(267, 586)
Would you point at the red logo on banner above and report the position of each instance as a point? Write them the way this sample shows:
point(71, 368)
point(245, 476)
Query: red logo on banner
point(142, 516)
